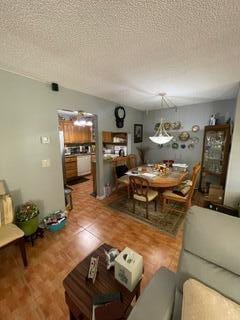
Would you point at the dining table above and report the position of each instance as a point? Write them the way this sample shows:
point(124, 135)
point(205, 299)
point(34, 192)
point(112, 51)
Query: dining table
point(158, 180)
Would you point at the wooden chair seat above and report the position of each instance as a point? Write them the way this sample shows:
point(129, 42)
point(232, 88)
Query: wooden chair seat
point(9, 233)
point(186, 200)
point(141, 192)
point(150, 196)
point(124, 179)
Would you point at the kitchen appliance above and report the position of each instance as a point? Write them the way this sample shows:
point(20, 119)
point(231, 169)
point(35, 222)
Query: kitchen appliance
point(121, 153)
point(118, 148)
point(83, 165)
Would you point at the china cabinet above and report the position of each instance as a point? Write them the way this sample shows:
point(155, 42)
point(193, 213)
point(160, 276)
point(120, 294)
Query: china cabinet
point(216, 147)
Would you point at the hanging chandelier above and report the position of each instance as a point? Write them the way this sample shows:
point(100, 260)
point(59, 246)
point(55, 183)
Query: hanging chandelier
point(161, 136)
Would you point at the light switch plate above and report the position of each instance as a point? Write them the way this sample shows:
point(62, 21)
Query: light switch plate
point(46, 163)
point(45, 140)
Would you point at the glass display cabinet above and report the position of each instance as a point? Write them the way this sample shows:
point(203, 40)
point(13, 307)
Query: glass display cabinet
point(216, 147)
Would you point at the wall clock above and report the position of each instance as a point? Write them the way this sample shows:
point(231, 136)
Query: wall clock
point(120, 115)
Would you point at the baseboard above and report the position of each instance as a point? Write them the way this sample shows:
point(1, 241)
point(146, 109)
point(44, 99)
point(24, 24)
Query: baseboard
point(100, 197)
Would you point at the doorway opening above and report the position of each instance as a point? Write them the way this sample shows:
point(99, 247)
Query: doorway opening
point(77, 135)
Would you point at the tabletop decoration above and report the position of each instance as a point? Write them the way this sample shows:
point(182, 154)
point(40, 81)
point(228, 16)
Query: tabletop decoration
point(163, 169)
point(110, 257)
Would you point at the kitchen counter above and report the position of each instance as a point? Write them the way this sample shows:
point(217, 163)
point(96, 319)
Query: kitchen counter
point(77, 154)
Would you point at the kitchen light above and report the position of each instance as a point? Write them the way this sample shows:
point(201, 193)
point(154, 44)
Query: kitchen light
point(89, 123)
point(80, 123)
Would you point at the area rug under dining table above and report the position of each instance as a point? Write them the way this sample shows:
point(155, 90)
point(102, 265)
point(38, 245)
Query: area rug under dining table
point(168, 221)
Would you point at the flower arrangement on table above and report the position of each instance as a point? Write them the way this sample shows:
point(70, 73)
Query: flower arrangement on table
point(162, 168)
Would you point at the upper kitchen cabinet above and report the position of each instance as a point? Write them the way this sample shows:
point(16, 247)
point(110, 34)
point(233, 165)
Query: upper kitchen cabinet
point(75, 134)
point(114, 137)
point(107, 137)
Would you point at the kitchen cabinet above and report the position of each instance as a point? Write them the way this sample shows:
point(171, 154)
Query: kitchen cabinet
point(83, 165)
point(71, 167)
point(107, 137)
point(74, 134)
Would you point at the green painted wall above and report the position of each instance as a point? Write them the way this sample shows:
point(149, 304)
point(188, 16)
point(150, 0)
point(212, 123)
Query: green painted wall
point(27, 112)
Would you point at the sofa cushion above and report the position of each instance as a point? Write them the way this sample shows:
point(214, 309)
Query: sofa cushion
point(201, 238)
point(201, 302)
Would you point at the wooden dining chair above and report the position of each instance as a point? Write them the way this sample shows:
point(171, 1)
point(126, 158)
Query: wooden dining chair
point(9, 232)
point(132, 161)
point(119, 169)
point(141, 192)
point(170, 196)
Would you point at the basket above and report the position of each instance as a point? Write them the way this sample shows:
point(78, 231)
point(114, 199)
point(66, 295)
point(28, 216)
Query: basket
point(58, 226)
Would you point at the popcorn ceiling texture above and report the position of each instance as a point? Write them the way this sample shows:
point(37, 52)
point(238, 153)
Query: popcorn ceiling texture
point(126, 51)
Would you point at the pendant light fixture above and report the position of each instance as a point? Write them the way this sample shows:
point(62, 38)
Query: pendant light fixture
point(161, 136)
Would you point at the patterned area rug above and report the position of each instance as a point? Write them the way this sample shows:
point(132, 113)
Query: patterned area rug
point(167, 222)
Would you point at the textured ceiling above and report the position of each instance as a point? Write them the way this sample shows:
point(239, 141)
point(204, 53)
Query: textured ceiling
point(126, 51)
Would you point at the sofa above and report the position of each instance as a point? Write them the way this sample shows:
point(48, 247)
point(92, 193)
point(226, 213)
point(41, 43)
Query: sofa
point(210, 254)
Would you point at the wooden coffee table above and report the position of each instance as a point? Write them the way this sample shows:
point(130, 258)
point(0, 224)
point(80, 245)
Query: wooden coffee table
point(79, 292)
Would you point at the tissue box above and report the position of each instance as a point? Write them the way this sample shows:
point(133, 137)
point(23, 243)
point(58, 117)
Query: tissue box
point(128, 268)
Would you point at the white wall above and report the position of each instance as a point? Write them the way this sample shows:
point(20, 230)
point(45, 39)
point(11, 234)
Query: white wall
point(232, 191)
point(28, 110)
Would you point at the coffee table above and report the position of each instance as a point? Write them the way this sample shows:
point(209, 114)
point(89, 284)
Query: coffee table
point(79, 292)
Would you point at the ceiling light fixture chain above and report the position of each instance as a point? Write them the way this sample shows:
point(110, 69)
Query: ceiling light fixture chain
point(161, 136)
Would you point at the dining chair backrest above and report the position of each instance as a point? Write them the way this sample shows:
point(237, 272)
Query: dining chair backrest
point(139, 186)
point(6, 210)
point(132, 161)
point(117, 162)
point(195, 174)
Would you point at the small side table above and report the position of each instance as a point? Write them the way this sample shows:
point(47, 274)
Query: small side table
point(79, 292)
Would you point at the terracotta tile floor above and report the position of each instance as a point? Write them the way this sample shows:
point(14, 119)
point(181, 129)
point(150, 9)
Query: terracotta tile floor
point(37, 292)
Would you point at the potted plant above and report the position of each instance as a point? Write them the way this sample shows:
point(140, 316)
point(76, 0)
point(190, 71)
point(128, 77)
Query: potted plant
point(27, 218)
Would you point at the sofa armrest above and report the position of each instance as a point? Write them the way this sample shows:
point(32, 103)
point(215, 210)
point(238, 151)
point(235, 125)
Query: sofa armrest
point(156, 302)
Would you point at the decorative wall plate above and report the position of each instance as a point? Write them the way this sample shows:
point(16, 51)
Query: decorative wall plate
point(175, 145)
point(183, 146)
point(191, 145)
point(184, 136)
point(167, 125)
point(195, 128)
point(176, 125)
point(195, 140)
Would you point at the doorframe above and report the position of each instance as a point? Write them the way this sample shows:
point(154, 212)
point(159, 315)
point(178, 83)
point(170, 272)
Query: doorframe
point(98, 154)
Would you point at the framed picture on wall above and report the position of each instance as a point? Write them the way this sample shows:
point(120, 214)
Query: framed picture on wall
point(138, 133)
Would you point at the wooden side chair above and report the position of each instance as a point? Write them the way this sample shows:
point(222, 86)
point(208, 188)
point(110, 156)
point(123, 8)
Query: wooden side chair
point(141, 192)
point(132, 161)
point(119, 169)
point(9, 232)
point(170, 196)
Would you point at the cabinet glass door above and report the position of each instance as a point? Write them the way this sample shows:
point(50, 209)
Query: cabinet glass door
point(214, 152)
